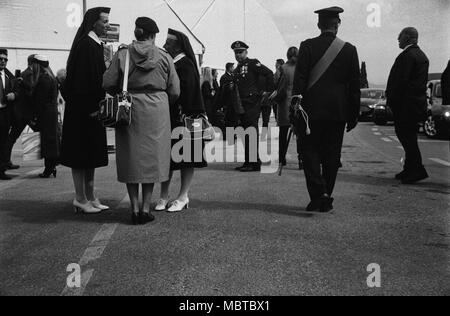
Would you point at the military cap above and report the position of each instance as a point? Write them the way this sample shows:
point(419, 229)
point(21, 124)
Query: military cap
point(332, 12)
point(147, 24)
point(239, 46)
point(4, 51)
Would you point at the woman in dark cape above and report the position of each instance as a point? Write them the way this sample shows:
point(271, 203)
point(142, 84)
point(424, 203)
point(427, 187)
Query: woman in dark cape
point(190, 103)
point(84, 145)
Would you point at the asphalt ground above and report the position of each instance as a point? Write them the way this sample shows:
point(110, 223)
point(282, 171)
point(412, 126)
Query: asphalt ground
point(245, 234)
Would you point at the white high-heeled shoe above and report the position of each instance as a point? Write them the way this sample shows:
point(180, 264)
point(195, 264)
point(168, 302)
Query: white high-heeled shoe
point(97, 204)
point(178, 206)
point(85, 208)
point(161, 205)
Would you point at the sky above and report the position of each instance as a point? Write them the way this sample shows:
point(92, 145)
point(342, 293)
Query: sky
point(377, 41)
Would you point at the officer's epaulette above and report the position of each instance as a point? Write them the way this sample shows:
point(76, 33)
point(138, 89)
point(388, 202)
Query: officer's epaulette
point(123, 46)
point(256, 62)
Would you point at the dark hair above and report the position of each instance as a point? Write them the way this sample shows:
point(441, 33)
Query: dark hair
point(229, 66)
point(329, 23)
point(292, 52)
point(31, 59)
point(280, 62)
point(142, 35)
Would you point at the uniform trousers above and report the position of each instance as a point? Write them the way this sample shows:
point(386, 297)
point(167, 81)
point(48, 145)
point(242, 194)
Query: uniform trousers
point(251, 120)
point(18, 124)
point(4, 132)
point(321, 153)
point(407, 135)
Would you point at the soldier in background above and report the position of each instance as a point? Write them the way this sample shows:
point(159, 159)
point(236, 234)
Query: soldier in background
point(249, 76)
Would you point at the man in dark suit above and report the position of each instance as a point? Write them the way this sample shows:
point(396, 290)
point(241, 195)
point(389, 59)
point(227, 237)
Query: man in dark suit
point(252, 79)
point(22, 112)
point(407, 97)
point(7, 97)
point(445, 84)
point(332, 102)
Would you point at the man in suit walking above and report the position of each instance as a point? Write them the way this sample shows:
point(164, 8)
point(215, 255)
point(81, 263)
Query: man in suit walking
point(407, 97)
point(327, 76)
point(22, 113)
point(7, 97)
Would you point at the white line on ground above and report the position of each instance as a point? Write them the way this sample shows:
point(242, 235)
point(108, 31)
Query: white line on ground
point(94, 252)
point(440, 161)
point(395, 138)
point(387, 140)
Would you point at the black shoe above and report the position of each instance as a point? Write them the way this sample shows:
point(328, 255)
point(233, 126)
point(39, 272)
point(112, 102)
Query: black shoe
point(250, 168)
point(327, 204)
point(4, 177)
point(314, 206)
point(415, 177)
point(134, 218)
point(47, 174)
point(401, 175)
point(145, 218)
point(10, 166)
point(241, 167)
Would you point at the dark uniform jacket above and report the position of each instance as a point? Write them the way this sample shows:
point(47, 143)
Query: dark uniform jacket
point(337, 95)
point(407, 86)
point(11, 86)
point(24, 108)
point(253, 78)
point(445, 84)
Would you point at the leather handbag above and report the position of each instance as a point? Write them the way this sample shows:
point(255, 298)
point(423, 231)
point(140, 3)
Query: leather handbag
point(198, 128)
point(115, 111)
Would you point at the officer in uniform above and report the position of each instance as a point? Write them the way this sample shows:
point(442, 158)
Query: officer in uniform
point(252, 79)
point(332, 102)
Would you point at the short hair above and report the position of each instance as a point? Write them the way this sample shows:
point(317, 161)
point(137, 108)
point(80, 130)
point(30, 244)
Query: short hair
point(411, 32)
point(280, 62)
point(4, 51)
point(142, 34)
point(229, 66)
point(327, 23)
point(292, 52)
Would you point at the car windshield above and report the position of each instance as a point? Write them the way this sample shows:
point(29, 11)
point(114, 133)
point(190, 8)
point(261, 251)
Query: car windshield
point(372, 94)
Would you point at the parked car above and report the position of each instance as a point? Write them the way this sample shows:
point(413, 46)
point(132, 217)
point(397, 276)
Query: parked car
point(382, 114)
point(370, 98)
point(438, 120)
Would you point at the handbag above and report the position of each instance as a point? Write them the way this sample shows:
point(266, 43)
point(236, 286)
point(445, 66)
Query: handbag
point(198, 128)
point(31, 143)
point(115, 111)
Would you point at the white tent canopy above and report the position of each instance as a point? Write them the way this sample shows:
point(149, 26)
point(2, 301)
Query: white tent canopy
point(49, 26)
point(218, 23)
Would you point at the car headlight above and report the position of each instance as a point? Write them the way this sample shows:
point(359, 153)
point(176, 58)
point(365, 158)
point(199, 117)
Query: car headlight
point(447, 114)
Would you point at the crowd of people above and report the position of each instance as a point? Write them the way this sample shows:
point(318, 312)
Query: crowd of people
point(321, 81)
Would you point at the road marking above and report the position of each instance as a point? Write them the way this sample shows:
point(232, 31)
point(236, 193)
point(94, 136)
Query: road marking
point(93, 253)
point(387, 140)
point(395, 138)
point(440, 161)
point(15, 181)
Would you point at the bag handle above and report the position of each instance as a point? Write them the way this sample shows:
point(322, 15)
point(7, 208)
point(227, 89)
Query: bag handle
point(126, 72)
point(325, 62)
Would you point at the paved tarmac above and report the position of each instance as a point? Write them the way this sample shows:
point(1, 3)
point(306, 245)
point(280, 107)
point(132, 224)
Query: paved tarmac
point(245, 234)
